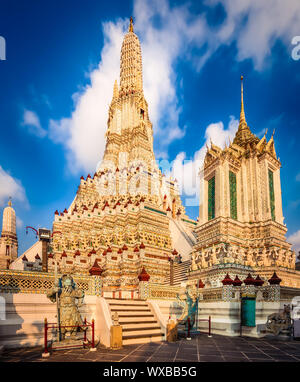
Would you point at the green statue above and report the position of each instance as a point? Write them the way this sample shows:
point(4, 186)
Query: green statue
point(189, 302)
point(68, 298)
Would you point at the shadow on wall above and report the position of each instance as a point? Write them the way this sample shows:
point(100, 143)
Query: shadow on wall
point(17, 330)
point(10, 321)
point(176, 310)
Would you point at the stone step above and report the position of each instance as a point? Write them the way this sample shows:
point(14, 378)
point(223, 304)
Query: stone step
point(141, 327)
point(143, 340)
point(140, 324)
point(130, 309)
point(120, 304)
point(134, 319)
point(135, 314)
point(141, 332)
point(124, 301)
point(137, 320)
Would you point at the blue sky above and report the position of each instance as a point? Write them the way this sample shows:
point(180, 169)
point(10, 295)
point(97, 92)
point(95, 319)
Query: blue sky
point(62, 59)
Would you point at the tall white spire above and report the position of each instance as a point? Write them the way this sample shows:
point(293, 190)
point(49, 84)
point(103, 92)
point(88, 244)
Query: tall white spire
point(131, 72)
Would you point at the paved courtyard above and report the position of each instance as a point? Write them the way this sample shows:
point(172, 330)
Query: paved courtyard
point(199, 349)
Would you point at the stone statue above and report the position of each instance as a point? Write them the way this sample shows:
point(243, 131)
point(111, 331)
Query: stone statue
point(70, 298)
point(279, 322)
point(189, 303)
point(193, 266)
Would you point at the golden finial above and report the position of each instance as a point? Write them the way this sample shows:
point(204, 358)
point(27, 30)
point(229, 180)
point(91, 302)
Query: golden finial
point(9, 202)
point(242, 114)
point(131, 25)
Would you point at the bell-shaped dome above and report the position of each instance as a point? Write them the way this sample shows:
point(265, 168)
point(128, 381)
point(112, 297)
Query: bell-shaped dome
point(9, 220)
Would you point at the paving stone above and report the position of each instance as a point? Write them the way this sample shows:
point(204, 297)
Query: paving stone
point(208, 358)
point(215, 349)
point(134, 359)
point(160, 359)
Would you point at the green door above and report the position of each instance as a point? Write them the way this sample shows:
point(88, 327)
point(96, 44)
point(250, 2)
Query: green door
point(248, 310)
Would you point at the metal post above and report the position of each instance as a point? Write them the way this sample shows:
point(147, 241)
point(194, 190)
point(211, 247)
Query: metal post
point(84, 338)
point(46, 352)
point(189, 330)
point(93, 336)
point(241, 315)
point(209, 326)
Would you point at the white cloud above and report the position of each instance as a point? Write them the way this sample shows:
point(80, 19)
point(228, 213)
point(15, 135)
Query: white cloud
point(256, 25)
point(10, 186)
point(32, 122)
point(295, 240)
point(186, 171)
point(83, 134)
point(168, 34)
point(19, 222)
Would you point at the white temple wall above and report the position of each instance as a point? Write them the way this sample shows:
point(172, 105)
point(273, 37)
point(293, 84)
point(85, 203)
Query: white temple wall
point(24, 320)
point(225, 316)
point(35, 249)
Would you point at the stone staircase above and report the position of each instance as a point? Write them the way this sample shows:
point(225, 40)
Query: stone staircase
point(180, 273)
point(138, 322)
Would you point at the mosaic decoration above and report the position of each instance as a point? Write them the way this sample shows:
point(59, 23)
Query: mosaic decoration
point(211, 198)
point(33, 282)
point(232, 186)
point(272, 194)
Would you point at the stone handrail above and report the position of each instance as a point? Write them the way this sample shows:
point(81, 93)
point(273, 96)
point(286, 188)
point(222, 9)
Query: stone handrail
point(13, 281)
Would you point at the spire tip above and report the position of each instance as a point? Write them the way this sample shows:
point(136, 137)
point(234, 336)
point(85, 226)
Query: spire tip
point(131, 24)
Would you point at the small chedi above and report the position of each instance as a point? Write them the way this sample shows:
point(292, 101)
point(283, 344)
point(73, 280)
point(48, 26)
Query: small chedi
point(8, 239)
point(70, 298)
point(240, 212)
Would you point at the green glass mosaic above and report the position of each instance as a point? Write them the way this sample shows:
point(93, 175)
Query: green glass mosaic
point(272, 194)
point(233, 203)
point(154, 210)
point(211, 198)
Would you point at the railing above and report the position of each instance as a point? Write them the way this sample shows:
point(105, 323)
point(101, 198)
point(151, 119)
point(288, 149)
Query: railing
point(209, 324)
point(158, 291)
point(212, 294)
point(189, 327)
point(13, 281)
point(85, 343)
point(288, 293)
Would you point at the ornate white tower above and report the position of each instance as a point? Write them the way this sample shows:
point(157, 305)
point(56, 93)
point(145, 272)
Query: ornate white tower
point(240, 215)
point(128, 216)
point(129, 129)
point(8, 240)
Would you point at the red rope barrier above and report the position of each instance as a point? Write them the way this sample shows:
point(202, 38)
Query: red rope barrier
point(85, 325)
point(209, 324)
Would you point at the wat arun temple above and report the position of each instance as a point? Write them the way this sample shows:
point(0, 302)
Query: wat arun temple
point(128, 216)
point(128, 228)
